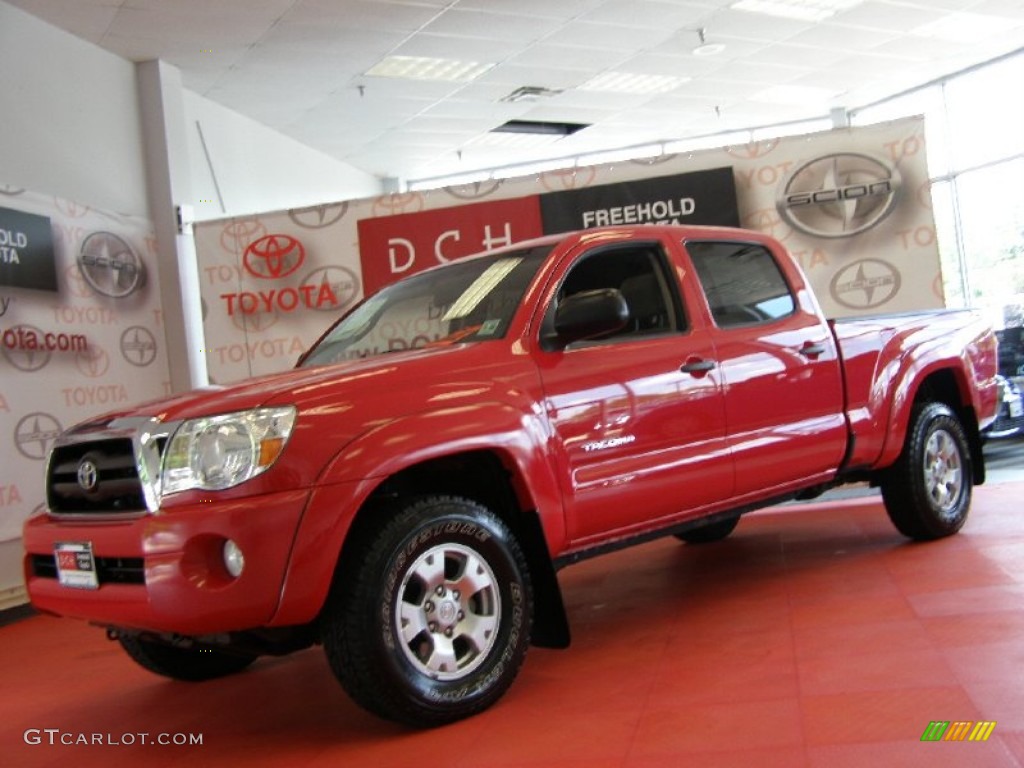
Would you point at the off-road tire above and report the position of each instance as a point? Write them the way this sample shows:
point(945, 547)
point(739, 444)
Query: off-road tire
point(430, 621)
point(927, 492)
point(191, 664)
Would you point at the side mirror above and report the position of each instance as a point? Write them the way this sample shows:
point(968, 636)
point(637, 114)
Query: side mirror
point(588, 314)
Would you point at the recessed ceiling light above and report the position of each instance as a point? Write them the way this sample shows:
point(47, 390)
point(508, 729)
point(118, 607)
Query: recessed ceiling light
point(804, 10)
point(705, 48)
point(526, 133)
point(708, 49)
point(425, 68)
point(794, 94)
point(627, 82)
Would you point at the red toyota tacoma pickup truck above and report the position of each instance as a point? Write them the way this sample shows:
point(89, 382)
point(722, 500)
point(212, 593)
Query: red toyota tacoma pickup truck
point(406, 494)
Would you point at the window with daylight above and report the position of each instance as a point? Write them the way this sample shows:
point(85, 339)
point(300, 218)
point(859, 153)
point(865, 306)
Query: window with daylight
point(975, 146)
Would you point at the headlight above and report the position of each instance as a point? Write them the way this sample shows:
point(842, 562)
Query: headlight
point(220, 452)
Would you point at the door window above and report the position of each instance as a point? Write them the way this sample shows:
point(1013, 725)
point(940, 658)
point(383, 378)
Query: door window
point(640, 274)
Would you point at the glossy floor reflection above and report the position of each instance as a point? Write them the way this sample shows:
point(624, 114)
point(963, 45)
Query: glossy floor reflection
point(814, 636)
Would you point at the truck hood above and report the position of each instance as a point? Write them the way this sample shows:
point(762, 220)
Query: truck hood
point(306, 387)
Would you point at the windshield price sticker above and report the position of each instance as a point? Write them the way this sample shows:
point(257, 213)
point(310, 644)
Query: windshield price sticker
point(76, 566)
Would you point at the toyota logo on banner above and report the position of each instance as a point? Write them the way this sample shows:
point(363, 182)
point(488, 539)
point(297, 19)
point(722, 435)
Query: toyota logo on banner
point(273, 257)
point(839, 195)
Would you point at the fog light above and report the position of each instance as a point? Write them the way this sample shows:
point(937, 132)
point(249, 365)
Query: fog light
point(234, 560)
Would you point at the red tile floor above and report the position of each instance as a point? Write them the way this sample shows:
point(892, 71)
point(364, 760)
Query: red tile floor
point(814, 636)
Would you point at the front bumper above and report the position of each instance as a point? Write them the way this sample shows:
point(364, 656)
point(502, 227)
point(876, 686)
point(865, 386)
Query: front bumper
point(164, 572)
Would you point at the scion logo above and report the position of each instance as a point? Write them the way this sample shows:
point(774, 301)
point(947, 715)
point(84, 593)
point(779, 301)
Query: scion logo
point(109, 265)
point(865, 284)
point(34, 433)
point(839, 195)
point(475, 190)
point(273, 257)
point(26, 359)
point(138, 346)
point(318, 216)
point(93, 361)
point(339, 283)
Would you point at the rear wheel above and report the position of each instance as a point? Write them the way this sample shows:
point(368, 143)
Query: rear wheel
point(707, 534)
point(431, 621)
point(193, 664)
point(927, 492)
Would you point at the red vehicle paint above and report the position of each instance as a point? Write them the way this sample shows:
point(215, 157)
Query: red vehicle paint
point(407, 493)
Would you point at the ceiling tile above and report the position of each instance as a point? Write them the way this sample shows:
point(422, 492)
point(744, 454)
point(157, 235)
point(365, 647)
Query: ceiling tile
point(648, 14)
point(895, 18)
point(492, 26)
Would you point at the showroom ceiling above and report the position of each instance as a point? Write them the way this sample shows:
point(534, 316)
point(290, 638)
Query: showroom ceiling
point(415, 88)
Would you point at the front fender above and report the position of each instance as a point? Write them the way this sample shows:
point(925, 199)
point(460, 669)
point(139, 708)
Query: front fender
point(519, 441)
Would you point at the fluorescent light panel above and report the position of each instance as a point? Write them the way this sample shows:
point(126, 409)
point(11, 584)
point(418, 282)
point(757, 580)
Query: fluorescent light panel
point(425, 68)
point(628, 82)
point(804, 10)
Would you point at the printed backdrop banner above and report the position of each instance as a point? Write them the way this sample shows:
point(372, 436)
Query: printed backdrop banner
point(26, 251)
point(397, 246)
point(702, 197)
point(94, 345)
point(852, 205)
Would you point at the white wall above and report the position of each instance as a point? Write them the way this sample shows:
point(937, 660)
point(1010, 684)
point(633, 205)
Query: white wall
point(287, 175)
point(70, 121)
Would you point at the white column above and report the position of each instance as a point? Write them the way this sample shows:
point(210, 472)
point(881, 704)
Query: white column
point(169, 186)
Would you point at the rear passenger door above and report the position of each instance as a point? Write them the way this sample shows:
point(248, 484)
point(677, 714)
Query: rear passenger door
point(779, 365)
point(637, 417)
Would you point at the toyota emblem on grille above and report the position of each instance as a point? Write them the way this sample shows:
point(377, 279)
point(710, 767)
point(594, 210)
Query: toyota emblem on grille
point(88, 476)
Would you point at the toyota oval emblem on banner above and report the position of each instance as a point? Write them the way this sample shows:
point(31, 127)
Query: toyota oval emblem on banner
point(839, 195)
point(273, 257)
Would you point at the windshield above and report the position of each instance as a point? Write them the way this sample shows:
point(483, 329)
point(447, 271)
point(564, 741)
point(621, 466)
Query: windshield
point(468, 300)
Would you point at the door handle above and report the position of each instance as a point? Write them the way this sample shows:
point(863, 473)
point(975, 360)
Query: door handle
point(812, 350)
point(697, 366)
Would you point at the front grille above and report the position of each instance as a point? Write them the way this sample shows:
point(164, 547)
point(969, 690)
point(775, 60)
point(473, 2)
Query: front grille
point(117, 486)
point(109, 570)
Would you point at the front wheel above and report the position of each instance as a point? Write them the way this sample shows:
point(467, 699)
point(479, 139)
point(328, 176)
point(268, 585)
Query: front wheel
point(430, 623)
point(927, 492)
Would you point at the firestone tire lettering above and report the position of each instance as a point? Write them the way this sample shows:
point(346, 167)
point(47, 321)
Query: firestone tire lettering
point(420, 661)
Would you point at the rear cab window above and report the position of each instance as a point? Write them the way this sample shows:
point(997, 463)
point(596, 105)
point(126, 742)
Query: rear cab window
point(742, 282)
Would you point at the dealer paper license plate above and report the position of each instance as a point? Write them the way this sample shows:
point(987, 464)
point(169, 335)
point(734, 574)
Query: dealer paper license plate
point(76, 567)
